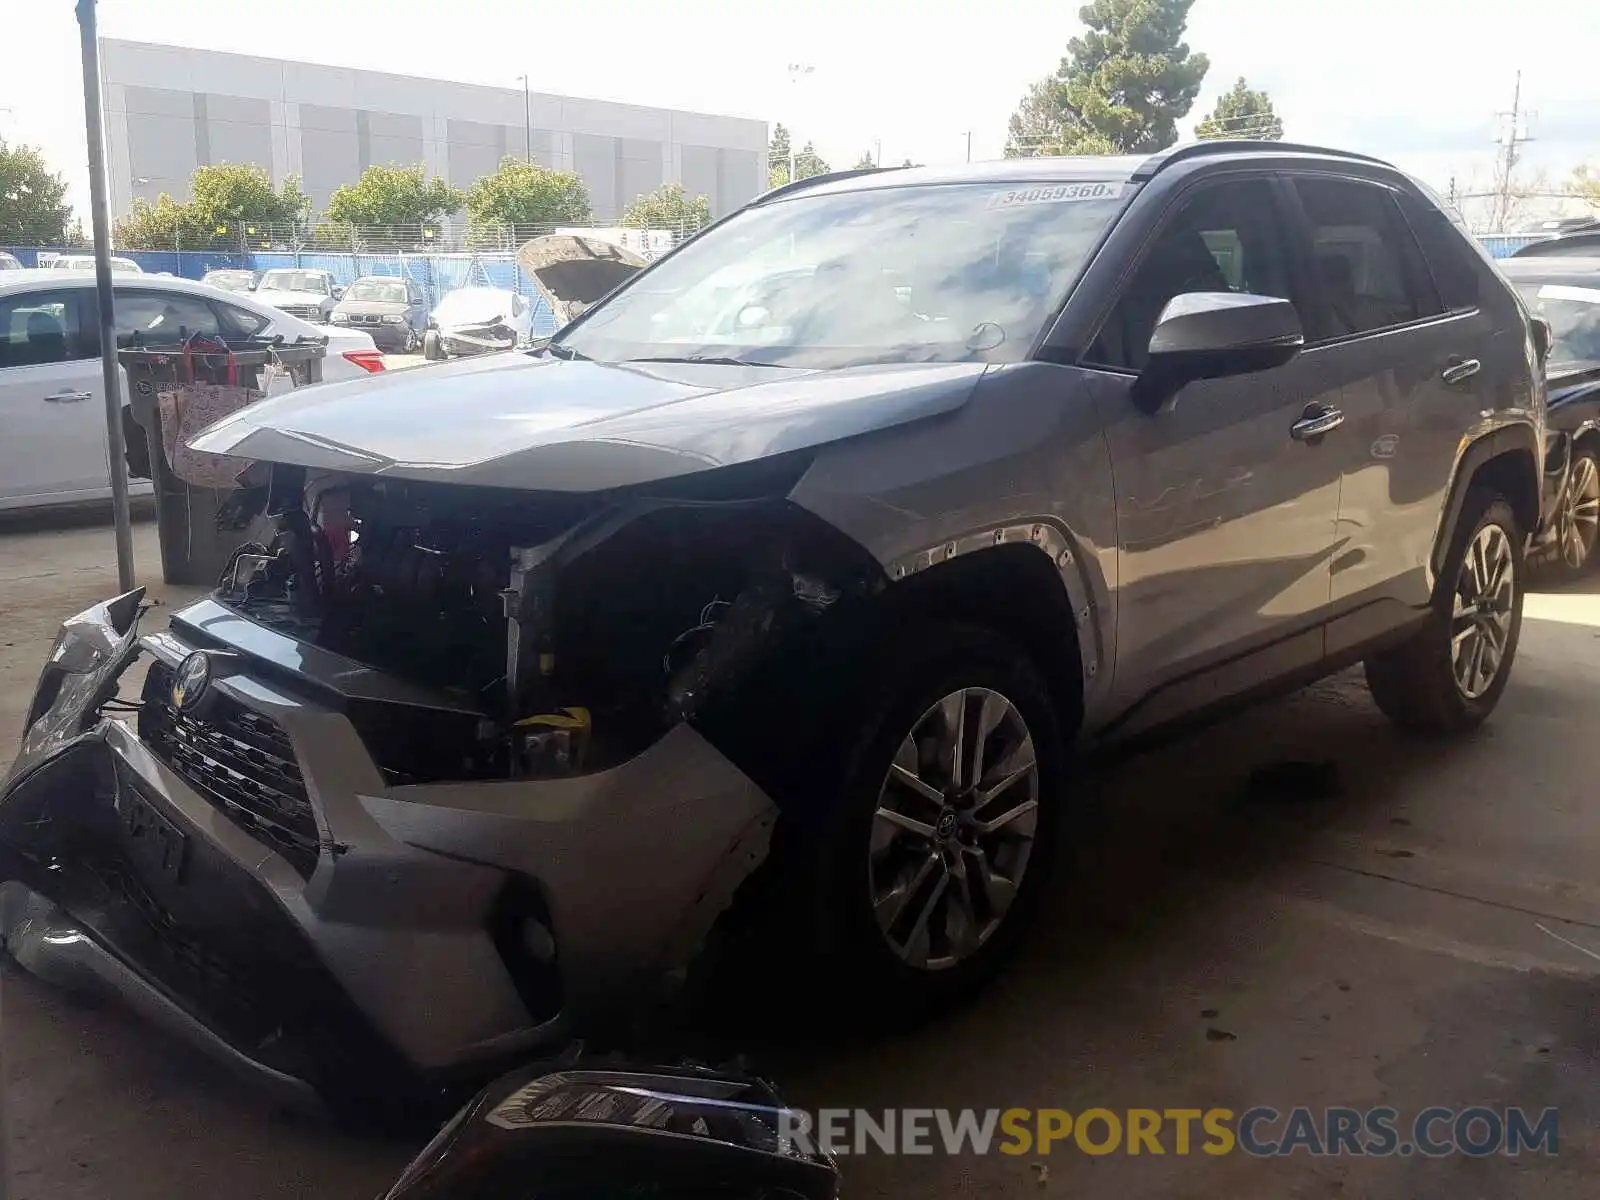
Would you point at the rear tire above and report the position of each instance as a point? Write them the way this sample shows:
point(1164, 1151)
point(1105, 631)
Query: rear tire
point(432, 346)
point(917, 886)
point(1577, 523)
point(1449, 676)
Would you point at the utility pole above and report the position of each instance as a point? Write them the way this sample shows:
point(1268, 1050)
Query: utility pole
point(969, 145)
point(1512, 138)
point(527, 121)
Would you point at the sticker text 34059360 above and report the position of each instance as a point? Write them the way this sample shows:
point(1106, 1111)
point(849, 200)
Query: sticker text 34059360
point(1054, 193)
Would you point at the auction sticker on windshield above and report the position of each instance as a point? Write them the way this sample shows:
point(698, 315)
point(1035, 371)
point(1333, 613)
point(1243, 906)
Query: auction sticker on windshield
point(1055, 193)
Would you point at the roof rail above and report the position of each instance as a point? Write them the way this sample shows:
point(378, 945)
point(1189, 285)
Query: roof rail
point(1162, 159)
point(800, 185)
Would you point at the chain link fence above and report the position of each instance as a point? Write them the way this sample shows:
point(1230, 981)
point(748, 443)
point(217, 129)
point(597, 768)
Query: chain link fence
point(437, 257)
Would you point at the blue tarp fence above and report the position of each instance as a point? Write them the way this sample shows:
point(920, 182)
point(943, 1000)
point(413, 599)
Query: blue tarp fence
point(435, 274)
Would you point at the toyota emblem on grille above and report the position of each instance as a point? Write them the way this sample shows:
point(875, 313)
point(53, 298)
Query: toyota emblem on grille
point(191, 681)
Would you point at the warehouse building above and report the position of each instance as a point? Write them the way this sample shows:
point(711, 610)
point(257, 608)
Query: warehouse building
point(170, 109)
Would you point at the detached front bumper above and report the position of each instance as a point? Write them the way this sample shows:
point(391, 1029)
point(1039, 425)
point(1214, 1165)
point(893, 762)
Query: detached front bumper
point(243, 873)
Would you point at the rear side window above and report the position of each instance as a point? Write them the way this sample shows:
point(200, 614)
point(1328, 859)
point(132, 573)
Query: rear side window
point(1367, 264)
point(1452, 261)
point(41, 327)
point(166, 318)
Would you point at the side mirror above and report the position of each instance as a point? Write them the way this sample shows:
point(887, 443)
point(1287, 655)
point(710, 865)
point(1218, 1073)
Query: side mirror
point(1543, 338)
point(1213, 335)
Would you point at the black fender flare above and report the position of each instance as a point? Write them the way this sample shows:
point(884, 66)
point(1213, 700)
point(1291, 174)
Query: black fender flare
point(1511, 439)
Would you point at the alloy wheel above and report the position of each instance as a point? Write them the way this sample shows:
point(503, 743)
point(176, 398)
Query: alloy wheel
point(1480, 623)
point(1579, 523)
point(954, 828)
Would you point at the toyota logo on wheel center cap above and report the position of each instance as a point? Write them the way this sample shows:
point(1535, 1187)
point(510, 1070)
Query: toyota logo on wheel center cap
point(947, 824)
point(191, 681)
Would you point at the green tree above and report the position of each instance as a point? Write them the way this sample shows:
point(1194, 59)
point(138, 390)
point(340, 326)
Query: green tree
point(1242, 113)
point(33, 206)
point(232, 204)
point(668, 207)
point(778, 156)
point(393, 195)
point(1121, 87)
point(1585, 184)
point(864, 161)
point(807, 163)
point(524, 193)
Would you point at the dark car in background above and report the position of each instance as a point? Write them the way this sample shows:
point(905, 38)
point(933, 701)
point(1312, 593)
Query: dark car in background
point(231, 279)
point(1564, 291)
point(393, 310)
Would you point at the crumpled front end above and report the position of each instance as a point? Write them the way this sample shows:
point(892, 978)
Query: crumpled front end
point(233, 854)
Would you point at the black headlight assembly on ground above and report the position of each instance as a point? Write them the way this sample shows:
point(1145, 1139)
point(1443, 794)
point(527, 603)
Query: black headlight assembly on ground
point(560, 1130)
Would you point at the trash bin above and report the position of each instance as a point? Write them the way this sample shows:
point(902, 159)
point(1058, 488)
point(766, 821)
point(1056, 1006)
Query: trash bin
point(193, 549)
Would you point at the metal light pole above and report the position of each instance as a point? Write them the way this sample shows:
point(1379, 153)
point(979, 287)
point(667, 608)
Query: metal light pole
point(110, 373)
point(797, 72)
point(527, 121)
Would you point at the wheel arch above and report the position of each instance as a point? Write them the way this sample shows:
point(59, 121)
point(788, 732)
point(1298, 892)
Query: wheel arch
point(1019, 591)
point(1509, 459)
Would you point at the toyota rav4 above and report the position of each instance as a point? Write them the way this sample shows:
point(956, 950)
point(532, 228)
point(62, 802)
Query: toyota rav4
point(806, 555)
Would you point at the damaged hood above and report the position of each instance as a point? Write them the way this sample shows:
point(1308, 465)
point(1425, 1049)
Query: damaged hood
point(544, 424)
point(574, 272)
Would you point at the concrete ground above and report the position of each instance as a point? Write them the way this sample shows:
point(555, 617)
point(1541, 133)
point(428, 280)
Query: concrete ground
point(1424, 934)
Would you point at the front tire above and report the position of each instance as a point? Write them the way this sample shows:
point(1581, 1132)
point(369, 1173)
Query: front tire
point(409, 344)
point(932, 866)
point(1449, 676)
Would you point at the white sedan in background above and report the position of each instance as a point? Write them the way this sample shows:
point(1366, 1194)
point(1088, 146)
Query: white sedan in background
point(53, 443)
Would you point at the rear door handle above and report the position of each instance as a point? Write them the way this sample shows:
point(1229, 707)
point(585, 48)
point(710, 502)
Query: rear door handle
point(67, 397)
point(1461, 370)
point(1316, 424)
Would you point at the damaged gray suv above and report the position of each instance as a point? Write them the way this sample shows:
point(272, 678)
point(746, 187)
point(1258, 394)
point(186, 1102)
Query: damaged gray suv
point(786, 576)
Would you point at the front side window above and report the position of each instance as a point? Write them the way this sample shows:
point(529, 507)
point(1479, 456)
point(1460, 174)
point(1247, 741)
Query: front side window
point(41, 327)
point(936, 273)
point(295, 281)
point(1574, 316)
point(1365, 260)
point(1224, 238)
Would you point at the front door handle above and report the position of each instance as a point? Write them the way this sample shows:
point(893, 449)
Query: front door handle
point(1461, 370)
point(67, 397)
point(1316, 423)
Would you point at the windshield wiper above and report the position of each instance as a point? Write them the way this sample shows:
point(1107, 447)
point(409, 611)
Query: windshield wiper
point(566, 352)
point(713, 360)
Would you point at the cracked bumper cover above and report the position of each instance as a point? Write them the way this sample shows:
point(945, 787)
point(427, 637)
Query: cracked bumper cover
point(389, 960)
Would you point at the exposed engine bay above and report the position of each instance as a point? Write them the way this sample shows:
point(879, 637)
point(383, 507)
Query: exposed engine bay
point(567, 631)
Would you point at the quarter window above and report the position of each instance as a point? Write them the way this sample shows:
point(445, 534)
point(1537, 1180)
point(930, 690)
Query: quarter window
point(1366, 262)
point(1225, 238)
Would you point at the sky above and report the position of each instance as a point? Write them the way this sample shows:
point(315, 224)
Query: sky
point(1418, 82)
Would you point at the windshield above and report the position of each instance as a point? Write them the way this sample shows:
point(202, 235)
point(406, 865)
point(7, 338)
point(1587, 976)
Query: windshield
point(1574, 316)
point(295, 281)
point(386, 290)
point(233, 281)
point(473, 304)
point(939, 273)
